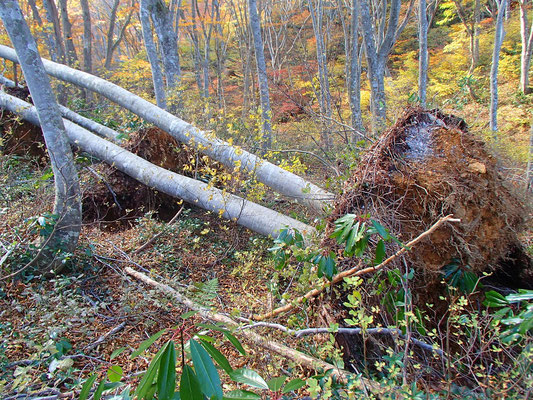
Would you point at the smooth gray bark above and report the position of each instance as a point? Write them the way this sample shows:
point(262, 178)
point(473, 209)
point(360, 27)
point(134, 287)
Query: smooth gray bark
point(526, 34)
point(246, 213)
point(53, 18)
point(110, 34)
point(87, 37)
point(67, 204)
point(72, 57)
point(355, 70)
point(46, 34)
point(422, 52)
point(499, 34)
point(264, 93)
point(168, 43)
point(324, 98)
point(157, 75)
point(277, 178)
point(379, 38)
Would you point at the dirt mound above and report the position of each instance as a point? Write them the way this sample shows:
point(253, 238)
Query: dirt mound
point(426, 166)
point(111, 196)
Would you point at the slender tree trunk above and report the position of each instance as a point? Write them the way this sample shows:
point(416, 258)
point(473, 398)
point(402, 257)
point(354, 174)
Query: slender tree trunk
point(157, 75)
point(47, 36)
point(168, 43)
point(423, 52)
point(498, 40)
point(355, 71)
point(53, 18)
point(110, 34)
point(67, 204)
point(193, 33)
point(255, 26)
point(377, 52)
point(246, 213)
point(317, 15)
point(72, 57)
point(277, 178)
point(526, 34)
point(87, 37)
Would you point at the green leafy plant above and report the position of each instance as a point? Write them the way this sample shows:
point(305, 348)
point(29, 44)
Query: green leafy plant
point(518, 321)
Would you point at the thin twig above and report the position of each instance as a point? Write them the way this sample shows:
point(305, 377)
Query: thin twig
point(105, 337)
point(157, 236)
point(356, 271)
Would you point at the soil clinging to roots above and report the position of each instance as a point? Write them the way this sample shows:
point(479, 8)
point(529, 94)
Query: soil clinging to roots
point(426, 166)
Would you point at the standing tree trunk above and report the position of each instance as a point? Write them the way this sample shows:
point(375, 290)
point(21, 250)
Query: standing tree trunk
point(355, 71)
point(53, 18)
point(377, 54)
point(324, 98)
point(48, 38)
point(110, 33)
point(423, 52)
point(168, 42)
point(87, 37)
point(526, 34)
point(255, 26)
point(157, 75)
point(67, 206)
point(498, 40)
point(72, 57)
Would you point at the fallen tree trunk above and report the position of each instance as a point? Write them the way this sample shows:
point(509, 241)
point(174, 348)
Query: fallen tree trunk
point(67, 113)
point(280, 180)
point(246, 213)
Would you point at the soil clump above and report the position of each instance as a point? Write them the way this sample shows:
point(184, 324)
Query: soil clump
point(427, 166)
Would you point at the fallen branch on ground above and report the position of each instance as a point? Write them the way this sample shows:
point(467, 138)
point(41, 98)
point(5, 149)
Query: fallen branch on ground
point(345, 331)
point(356, 271)
point(105, 337)
point(252, 337)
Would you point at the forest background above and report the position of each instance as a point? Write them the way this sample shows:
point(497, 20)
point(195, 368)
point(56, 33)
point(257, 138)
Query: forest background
point(311, 92)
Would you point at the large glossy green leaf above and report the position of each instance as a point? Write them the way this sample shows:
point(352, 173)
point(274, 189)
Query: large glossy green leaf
point(166, 378)
point(221, 360)
point(248, 377)
point(294, 384)
point(147, 343)
point(235, 342)
point(522, 295)
point(86, 388)
point(380, 230)
point(205, 371)
point(380, 253)
point(189, 385)
point(275, 384)
point(148, 378)
point(241, 395)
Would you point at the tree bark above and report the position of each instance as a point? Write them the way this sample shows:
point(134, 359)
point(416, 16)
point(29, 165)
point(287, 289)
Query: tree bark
point(53, 18)
point(377, 54)
point(110, 34)
point(264, 93)
point(324, 98)
point(277, 178)
point(423, 52)
point(67, 206)
point(48, 38)
point(87, 37)
point(355, 71)
point(72, 57)
point(526, 34)
point(498, 40)
point(168, 43)
point(157, 75)
point(246, 213)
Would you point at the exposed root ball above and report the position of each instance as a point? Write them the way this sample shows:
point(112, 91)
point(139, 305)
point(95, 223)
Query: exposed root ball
point(111, 195)
point(426, 166)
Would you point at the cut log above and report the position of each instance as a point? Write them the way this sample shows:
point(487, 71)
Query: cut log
point(246, 213)
point(280, 180)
